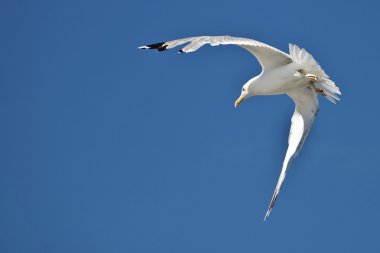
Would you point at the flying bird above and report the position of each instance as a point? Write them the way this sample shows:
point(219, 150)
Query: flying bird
point(296, 74)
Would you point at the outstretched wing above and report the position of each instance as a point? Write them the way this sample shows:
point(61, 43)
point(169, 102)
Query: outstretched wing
point(268, 56)
point(306, 103)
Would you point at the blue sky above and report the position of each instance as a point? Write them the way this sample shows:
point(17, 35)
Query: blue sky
point(106, 148)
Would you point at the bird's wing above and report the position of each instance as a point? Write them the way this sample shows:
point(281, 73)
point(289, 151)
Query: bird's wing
point(306, 104)
point(268, 56)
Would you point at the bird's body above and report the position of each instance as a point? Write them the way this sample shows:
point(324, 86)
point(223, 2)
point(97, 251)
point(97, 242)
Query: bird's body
point(296, 74)
point(277, 81)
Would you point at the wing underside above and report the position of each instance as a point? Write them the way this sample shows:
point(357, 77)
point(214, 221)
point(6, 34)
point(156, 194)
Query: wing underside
point(306, 108)
point(268, 56)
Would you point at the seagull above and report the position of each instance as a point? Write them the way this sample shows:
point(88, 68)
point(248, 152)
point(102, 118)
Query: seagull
point(296, 74)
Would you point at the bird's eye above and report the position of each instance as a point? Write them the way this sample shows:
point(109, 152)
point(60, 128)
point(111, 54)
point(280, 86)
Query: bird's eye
point(244, 89)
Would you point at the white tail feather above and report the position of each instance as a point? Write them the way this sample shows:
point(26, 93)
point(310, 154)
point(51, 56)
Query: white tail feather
point(306, 62)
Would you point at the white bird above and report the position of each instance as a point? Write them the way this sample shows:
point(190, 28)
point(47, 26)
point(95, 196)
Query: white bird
point(296, 74)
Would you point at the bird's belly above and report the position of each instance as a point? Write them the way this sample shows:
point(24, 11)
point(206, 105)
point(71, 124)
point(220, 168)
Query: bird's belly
point(279, 81)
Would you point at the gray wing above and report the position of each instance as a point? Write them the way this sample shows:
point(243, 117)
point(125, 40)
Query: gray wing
point(306, 103)
point(268, 56)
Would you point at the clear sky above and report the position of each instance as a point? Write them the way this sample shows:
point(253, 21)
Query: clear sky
point(106, 148)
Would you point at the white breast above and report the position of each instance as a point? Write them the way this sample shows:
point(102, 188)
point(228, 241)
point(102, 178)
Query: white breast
point(278, 80)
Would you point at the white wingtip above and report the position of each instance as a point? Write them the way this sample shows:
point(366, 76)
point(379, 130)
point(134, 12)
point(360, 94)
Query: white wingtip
point(143, 47)
point(267, 215)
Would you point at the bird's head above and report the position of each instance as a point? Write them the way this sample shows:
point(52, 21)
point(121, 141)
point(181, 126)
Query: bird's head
point(246, 92)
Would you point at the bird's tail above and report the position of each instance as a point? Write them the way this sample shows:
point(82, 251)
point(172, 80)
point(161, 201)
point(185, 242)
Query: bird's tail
point(309, 65)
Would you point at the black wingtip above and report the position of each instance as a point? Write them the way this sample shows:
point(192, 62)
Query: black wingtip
point(181, 51)
point(159, 46)
point(271, 205)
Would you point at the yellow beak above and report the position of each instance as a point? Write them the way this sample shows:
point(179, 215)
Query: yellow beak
point(239, 100)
